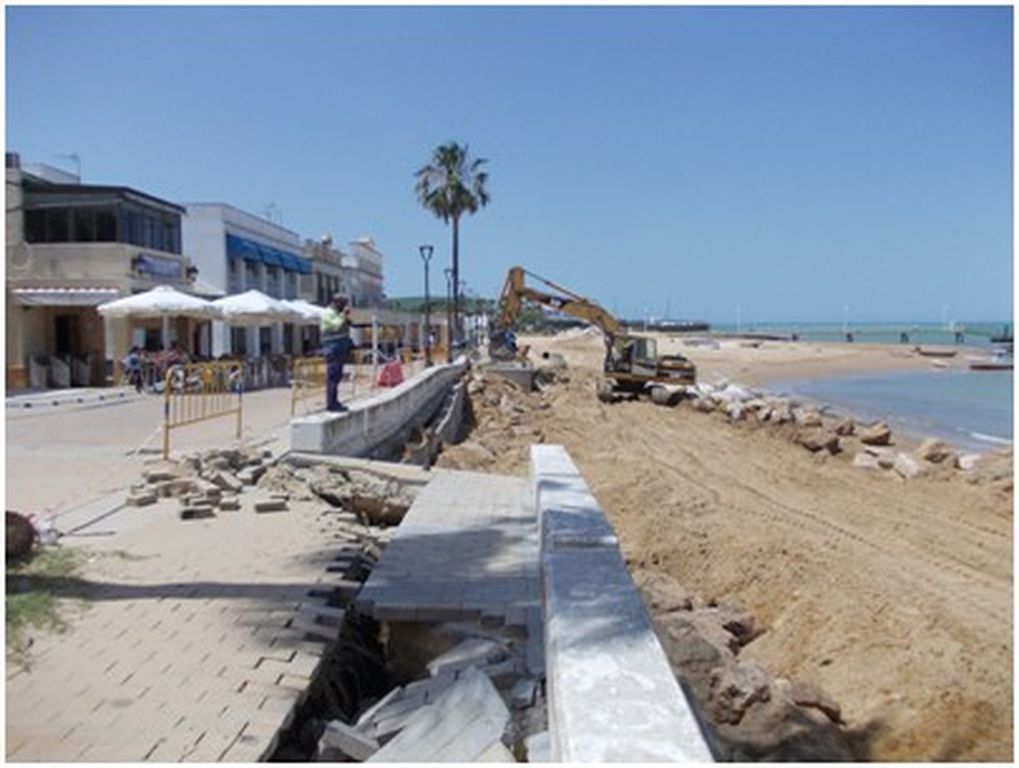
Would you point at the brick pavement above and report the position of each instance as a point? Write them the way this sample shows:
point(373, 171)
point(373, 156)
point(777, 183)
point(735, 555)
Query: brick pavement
point(182, 652)
point(490, 525)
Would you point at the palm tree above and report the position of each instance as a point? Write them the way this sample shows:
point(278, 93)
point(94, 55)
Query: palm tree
point(450, 186)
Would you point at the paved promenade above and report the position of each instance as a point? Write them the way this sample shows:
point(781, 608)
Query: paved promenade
point(181, 651)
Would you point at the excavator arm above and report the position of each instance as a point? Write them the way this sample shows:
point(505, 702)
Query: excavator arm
point(514, 292)
point(628, 359)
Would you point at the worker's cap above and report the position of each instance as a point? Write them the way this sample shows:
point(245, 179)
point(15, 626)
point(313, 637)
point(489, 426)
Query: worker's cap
point(339, 298)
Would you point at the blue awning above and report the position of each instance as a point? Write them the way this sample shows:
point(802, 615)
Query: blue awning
point(271, 256)
point(302, 266)
point(249, 250)
point(242, 247)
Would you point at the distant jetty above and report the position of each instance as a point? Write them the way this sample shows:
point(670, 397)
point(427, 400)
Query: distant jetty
point(669, 326)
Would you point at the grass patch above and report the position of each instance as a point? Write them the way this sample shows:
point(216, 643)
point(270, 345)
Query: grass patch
point(32, 588)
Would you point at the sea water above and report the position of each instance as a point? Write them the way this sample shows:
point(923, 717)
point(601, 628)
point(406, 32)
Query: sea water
point(973, 334)
point(970, 409)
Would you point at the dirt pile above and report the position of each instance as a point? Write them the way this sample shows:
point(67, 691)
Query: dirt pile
point(507, 422)
point(892, 595)
point(748, 714)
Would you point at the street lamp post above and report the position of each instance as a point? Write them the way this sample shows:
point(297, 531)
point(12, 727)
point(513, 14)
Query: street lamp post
point(426, 256)
point(449, 317)
point(462, 313)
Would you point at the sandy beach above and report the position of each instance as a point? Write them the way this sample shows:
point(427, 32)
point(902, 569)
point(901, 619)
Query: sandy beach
point(759, 363)
point(893, 596)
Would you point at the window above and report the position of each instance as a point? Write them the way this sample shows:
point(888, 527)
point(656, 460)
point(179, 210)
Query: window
point(106, 225)
point(272, 281)
point(233, 276)
point(132, 227)
point(35, 226)
point(288, 339)
point(173, 237)
point(252, 279)
point(57, 225)
point(84, 226)
point(239, 341)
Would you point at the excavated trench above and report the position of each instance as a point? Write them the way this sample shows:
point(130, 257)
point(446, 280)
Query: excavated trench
point(380, 684)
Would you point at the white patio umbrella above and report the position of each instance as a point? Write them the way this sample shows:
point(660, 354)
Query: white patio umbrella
point(162, 301)
point(254, 308)
point(311, 314)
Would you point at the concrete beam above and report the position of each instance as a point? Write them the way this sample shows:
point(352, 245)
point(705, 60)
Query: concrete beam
point(612, 696)
point(379, 425)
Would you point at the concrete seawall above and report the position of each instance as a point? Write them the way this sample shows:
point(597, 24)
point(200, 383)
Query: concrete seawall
point(612, 696)
point(379, 426)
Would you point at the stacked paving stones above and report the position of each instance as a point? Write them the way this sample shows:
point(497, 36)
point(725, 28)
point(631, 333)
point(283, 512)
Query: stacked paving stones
point(208, 483)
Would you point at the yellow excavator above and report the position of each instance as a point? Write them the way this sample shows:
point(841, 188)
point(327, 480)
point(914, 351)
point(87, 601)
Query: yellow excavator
point(632, 363)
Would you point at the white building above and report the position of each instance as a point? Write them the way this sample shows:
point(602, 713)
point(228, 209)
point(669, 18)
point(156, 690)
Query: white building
point(237, 251)
point(327, 270)
point(362, 272)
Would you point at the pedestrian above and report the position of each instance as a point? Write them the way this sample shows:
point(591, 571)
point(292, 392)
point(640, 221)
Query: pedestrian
point(335, 328)
point(133, 367)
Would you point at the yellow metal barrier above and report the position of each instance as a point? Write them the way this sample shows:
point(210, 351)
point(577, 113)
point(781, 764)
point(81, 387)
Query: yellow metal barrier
point(309, 379)
point(199, 392)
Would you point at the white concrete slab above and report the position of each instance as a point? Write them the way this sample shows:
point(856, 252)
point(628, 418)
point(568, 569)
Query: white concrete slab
point(612, 696)
point(459, 727)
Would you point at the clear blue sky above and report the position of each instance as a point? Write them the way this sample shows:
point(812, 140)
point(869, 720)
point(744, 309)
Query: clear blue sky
point(790, 160)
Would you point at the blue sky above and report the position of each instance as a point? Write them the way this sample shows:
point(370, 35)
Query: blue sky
point(789, 160)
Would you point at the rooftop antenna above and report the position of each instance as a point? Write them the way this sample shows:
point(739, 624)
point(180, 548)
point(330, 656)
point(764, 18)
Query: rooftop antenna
point(273, 213)
point(77, 161)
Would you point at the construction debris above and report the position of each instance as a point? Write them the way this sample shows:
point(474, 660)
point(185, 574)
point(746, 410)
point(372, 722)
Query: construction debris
point(461, 725)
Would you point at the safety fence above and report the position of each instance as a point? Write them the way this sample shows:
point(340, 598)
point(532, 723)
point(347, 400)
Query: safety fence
point(364, 372)
point(309, 380)
point(199, 392)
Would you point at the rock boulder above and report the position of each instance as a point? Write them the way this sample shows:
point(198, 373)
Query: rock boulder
point(876, 434)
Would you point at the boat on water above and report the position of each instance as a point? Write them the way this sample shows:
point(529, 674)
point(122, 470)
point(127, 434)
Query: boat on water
point(1005, 337)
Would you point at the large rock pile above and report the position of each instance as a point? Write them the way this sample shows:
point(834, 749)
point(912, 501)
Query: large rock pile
point(748, 715)
point(825, 434)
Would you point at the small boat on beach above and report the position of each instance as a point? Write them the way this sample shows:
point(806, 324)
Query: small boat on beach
point(999, 360)
point(934, 352)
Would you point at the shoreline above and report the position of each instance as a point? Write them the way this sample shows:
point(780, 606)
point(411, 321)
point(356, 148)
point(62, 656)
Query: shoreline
point(963, 438)
point(779, 366)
